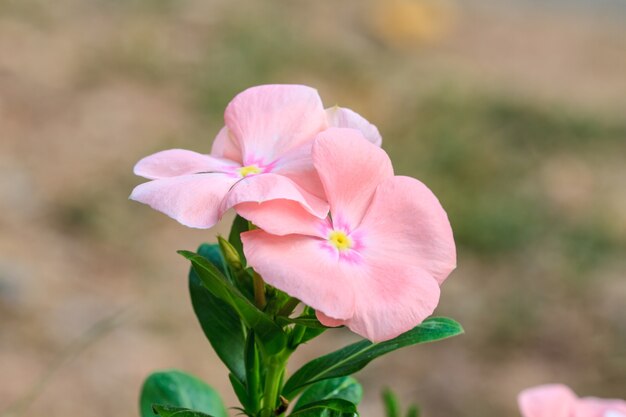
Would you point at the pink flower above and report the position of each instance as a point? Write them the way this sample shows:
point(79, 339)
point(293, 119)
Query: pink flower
point(262, 154)
point(559, 401)
point(376, 263)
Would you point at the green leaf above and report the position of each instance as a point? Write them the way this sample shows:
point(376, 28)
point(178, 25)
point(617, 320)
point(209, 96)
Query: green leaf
point(240, 392)
point(345, 388)
point(354, 357)
point(334, 407)
point(392, 409)
point(309, 322)
point(311, 333)
point(169, 411)
point(269, 333)
point(220, 322)
point(178, 389)
point(253, 373)
point(239, 226)
point(413, 411)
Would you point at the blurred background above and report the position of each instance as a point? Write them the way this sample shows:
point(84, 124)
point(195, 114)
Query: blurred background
point(513, 112)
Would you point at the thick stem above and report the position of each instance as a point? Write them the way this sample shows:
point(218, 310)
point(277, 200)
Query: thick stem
point(273, 378)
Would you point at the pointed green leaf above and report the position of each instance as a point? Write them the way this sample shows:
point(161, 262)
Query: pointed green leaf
point(212, 252)
point(253, 373)
point(169, 411)
point(334, 407)
point(307, 327)
point(220, 322)
point(269, 333)
point(177, 389)
point(390, 401)
point(240, 392)
point(354, 357)
point(310, 322)
point(311, 333)
point(239, 226)
point(345, 388)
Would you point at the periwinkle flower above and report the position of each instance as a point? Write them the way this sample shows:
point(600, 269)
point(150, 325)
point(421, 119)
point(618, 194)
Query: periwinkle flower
point(262, 154)
point(376, 262)
point(556, 400)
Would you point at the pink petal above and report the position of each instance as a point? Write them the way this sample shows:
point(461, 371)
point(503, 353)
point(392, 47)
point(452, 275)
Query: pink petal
point(270, 120)
point(298, 265)
point(597, 407)
point(406, 225)
point(392, 299)
point(297, 164)
point(282, 217)
point(350, 169)
point(328, 321)
point(266, 187)
point(406, 241)
point(175, 162)
point(547, 401)
point(226, 146)
point(192, 200)
point(344, 117)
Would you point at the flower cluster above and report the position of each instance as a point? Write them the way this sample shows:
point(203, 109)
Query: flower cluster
point(324, 219)
point(336, 228)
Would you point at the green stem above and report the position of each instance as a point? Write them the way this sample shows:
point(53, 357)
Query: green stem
point(275, 368)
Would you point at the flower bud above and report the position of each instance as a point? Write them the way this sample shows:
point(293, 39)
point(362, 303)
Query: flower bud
point(230, 254)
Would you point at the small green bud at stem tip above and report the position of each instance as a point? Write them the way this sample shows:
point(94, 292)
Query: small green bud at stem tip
point(230, 254)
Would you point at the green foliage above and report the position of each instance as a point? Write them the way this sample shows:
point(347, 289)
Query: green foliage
point(306, 321)
point(307, 327)
point(173, 388)
point(241, 392)
point(168, 411)
point(392, 405)
point(220, 322)
point(253, 374)
point(390, 401)
point(334, 407)
point(269, 333)
point(345, 388)
point(311, 333)
point(254, 339)
point(354, 357)
point(239, 226)
point(413, 411)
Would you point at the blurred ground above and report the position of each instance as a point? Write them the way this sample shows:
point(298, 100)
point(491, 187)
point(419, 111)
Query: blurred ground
point(514, 113)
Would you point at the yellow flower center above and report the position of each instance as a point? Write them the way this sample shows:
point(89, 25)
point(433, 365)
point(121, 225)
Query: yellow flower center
point(249, 170)
point(340, 240)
